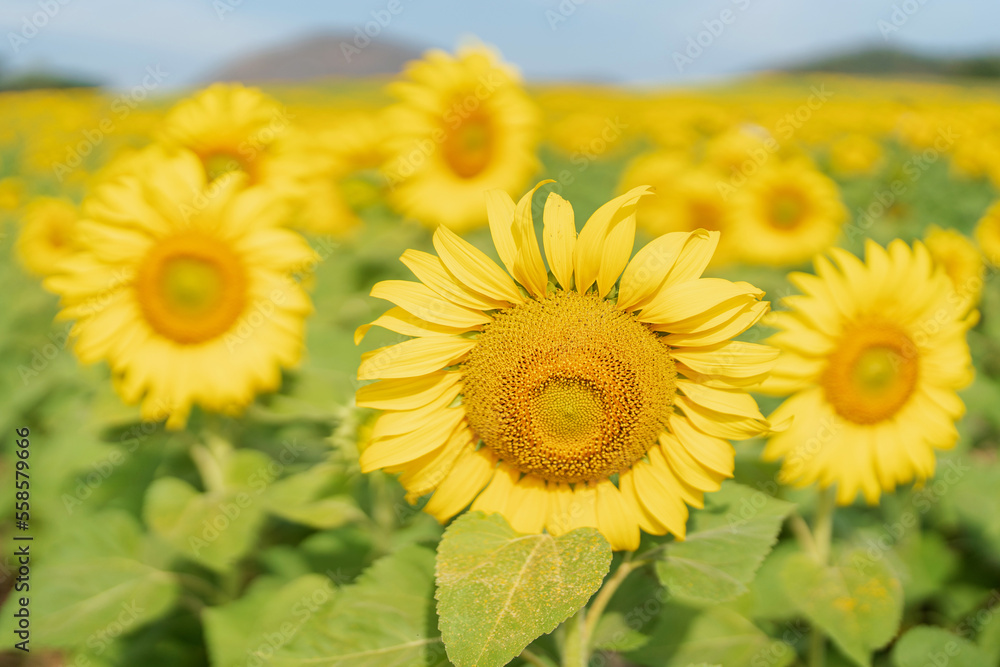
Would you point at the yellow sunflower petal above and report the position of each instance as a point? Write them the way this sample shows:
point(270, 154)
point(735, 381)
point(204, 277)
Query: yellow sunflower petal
point(471, 472)
point(660, 496)
point(406, 393)
point(472, 267)
point(496, 496)
point(648, 269)
point(419, 300)
point(413, 357)
point(687, 305)
point(402, 322)
point(529, 270)
point(396, 449)
point(615, 518)
point(559, 238)
point(500, 211)
point(431, 271)
point(591, 244)
point(528, 505)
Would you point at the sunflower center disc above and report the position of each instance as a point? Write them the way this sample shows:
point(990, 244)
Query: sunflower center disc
point(873, 373)
point(468, 146)
point(787, 210)
point(191, 288)
point(222, 163)
point(568, 387)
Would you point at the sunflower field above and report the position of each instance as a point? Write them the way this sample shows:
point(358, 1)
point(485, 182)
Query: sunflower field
point(453, 370)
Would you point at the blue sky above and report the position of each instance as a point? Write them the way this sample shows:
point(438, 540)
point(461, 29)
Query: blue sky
point(634, 42)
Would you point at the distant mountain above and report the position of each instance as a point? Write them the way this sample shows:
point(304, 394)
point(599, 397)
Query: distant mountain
point(893, 62)
point(334, 55)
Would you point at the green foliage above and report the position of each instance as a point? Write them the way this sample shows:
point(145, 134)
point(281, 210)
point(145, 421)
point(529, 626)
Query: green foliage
point(268, 615)
point(925, 645)
point(498, 590)
point(385, 619)
point(101, 578)
point(857, 602)
point(726, 543)
point(717, 635)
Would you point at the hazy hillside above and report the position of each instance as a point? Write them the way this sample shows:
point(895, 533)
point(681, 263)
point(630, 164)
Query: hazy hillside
point(892, 62)
point(319, 57)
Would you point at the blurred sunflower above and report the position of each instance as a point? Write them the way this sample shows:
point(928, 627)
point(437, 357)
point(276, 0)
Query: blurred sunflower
point(855, 155)
point(988, 234)
point(872, 356)
point(346, 176)
point(785, 215)
point(185, 288)
point(961, 261)
point(48, 235)
point(232, 128)
point(463, 125)
point(560, 399)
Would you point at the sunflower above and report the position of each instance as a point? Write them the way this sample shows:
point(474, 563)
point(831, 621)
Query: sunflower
point(873, 353)
point(563, 398)
point(988, 234)
point(960, 259)
point(232, 128)
point(48, 235)
point(463, 125)
point(186, 288)
point(694, 200)
point(346, 176)
point(786, 214)
point(855, 155)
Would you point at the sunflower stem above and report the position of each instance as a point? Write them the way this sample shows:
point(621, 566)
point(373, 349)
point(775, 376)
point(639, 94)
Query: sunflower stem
point(533, 659)
point(822, 535)
point(574, 651)
point(603, 597)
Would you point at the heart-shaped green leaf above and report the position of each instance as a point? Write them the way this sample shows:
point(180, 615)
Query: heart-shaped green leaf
point(858, 606)
point(726, 543)
point(498, 590)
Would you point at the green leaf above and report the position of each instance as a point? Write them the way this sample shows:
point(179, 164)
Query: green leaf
point(498, 590)
point(726, 544)
point(613, 633)
point(298, 498)
point(858, 606)
point(266, 618)
point(716, 636)
point(386, 619)
point(214, 529)
point(218, 527)
point(767, 599)
point(926, 645)
point(97, 586)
